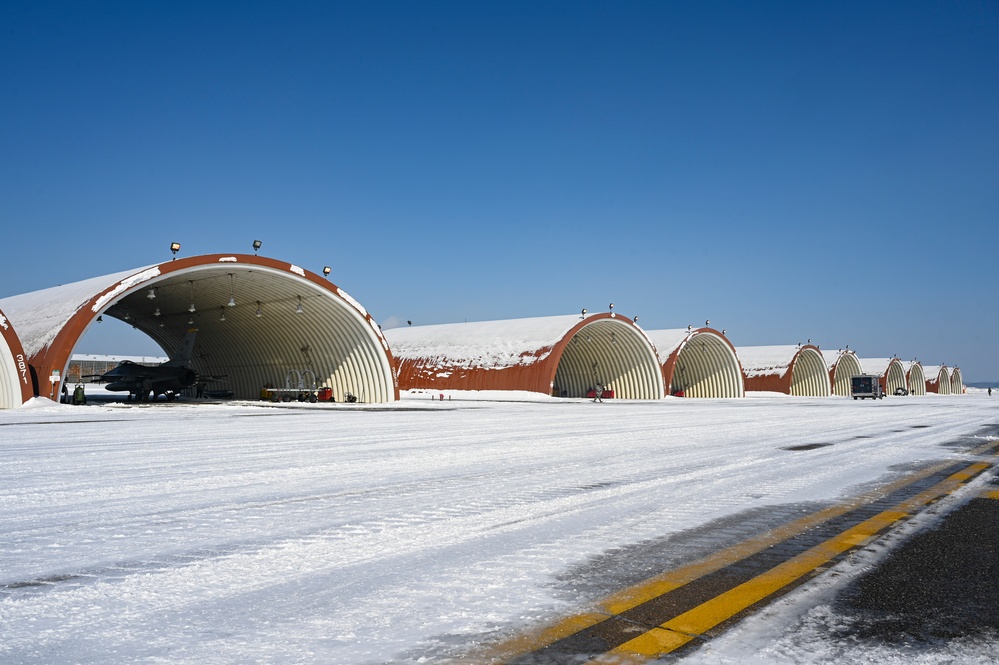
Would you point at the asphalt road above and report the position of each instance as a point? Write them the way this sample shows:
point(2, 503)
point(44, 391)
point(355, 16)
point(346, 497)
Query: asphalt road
point(941, 584)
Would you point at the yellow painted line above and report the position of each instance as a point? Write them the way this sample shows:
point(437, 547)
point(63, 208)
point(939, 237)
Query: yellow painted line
point(661, 584)
point(990, 494)
point(711, 613)
point(656, 586)
point(702, 618)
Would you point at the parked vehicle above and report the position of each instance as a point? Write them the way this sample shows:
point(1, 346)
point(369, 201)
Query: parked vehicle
point(866, 385)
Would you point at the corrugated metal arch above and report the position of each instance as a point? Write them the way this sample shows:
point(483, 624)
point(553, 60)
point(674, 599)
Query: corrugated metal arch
point(254, 343)
point(610, 350)
point(15, 376)
point(943, 381)
point(915, 380)
point(809, 377)
point(894, 376)
point(956, 382)
point(844, 367)
point(701, 362)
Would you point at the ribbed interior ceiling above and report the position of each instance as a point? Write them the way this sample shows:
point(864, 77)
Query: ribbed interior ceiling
point(329, 338)
point(917, 380)
point(707, 367)
point(896, 378)
point(614, 354)
point(809, 377)
point(847, 366)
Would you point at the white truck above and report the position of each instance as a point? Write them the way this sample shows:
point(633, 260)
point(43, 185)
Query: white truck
point(866, 385)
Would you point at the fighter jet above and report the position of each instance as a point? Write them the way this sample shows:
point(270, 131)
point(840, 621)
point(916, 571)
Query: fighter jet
point(144, 382)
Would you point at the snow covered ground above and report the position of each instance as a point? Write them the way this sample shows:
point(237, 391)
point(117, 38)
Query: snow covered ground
point(413, 532)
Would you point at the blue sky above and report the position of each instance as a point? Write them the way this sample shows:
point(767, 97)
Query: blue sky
point(788, 170)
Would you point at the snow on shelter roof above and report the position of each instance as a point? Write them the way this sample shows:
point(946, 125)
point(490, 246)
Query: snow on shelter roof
point(668, 341)
point(493, 344)
point(40, 315)
point(876, 366)
point(767, 360)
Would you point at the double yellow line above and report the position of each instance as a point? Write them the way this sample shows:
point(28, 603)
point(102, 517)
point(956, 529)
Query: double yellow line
point(682, 629)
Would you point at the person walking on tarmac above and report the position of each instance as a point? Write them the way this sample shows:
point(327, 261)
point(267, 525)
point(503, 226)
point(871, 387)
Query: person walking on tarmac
point(598, 394)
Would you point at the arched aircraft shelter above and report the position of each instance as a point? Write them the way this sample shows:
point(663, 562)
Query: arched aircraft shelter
point(256, 320)
point(799, 371)
point(700, 362)
point(956, 381)
point(890, 371)
point(556, 355)
point(843, 365)
point(15, 376)
point(937, 379)
point(915, 380)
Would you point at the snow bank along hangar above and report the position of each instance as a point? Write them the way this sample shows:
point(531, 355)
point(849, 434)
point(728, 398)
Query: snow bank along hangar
point(258, 320)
